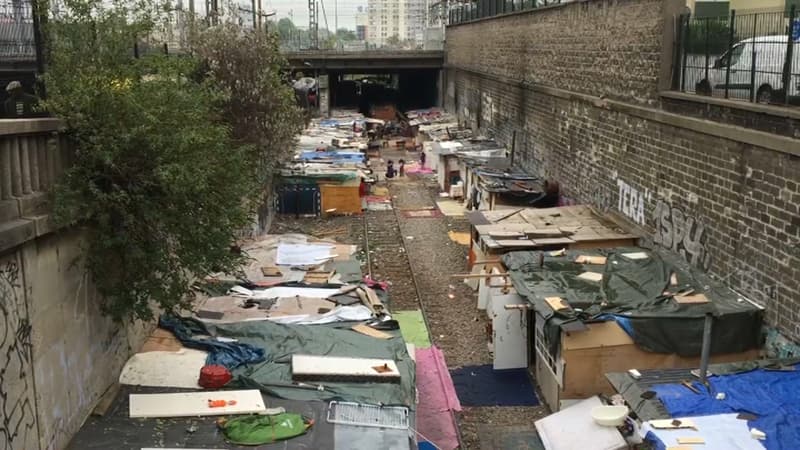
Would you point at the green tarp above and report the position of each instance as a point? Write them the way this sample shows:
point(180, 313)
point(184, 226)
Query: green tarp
point(412, 326)
point(274, 376)
point(632, 292)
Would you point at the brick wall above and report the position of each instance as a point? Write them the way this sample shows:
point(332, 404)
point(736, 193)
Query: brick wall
point(724, 197)
point(605, 47)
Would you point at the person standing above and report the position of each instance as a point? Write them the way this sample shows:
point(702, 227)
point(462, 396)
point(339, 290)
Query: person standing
point(422, 158)
point(402, 168)
point(390, 169)
point(19, 103)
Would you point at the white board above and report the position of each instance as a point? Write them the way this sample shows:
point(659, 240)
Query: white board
point(510, 330)
point(179, 369)
point(483, 292)
point(573, 428)
point(322, 367)
point(191, 404)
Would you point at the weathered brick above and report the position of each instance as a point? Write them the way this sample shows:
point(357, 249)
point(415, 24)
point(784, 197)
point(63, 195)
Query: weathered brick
point(747, 199)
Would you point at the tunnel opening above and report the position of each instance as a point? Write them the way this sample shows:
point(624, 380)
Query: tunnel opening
point(367, 91)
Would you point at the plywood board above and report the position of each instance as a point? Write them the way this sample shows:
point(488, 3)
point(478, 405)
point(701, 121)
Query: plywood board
point(515, 243)
point(553, 241)
point(191, 404)
point(334, 367)
point(691, 299)
point(591, 276)
point(340, 199)
point(179, 369)
point(557, 303)
point(510, 329)
point(594, 260)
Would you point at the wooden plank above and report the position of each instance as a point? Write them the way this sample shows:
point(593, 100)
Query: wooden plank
point(374, 301)
point(594, 260)
point(516, 243)
point(369, 331)
point(691, 299)
point(478, 275)
point(691, 440)
point(191, 404)
point(333, 367)
point(553, 241)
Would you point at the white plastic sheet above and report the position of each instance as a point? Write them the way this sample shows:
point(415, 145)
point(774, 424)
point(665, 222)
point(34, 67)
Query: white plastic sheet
point(354, 313)
point(303, 254)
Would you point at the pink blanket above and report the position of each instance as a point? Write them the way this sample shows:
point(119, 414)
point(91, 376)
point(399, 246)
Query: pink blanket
point(416, 168)
point(437, 399)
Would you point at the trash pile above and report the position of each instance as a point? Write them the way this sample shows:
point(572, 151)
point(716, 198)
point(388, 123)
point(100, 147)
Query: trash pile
point(298, 345)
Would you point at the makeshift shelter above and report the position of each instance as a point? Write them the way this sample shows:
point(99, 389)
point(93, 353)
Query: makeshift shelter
point(502, 231)
point(605, 310)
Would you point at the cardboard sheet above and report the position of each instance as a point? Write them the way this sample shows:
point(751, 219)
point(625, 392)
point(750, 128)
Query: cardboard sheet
point(189, 404)
point(179, 369)
point(303, 254)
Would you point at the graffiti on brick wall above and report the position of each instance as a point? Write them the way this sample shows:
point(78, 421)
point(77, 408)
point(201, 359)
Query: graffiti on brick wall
point(631, 201)
point(601, 198)
point(487, 109)
point(16, 367)
point(681, 233)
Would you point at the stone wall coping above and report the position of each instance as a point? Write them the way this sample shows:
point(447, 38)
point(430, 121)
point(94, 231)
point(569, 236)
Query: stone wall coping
point(30, 126)
point(762, 139)
point(778, 111)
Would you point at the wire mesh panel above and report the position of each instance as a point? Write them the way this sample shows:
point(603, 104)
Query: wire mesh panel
point(348, 413)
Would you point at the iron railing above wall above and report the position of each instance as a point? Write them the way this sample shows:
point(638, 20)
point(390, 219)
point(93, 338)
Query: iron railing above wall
point(478, 9)
point(16, 31)
point(743, 56)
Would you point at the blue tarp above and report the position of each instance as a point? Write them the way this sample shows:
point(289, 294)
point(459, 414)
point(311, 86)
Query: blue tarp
point(772, 396)
point(348, 156)
point(228, 354)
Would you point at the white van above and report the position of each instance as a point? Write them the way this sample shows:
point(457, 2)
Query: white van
point(765, 75)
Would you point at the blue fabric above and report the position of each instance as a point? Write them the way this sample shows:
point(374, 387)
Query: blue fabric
point(228, 354)
point(772, 396)
point(347, 156)
point(484, 386)
point(622, 321)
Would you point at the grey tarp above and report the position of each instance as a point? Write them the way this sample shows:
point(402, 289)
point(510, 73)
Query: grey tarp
point(632, 291)
point(274, 376)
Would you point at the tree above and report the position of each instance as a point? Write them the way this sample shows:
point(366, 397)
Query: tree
point(393, 40)
point(343, 34)
point(163, 179)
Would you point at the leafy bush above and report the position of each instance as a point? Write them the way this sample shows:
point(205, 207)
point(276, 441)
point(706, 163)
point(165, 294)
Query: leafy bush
point(169, 157)
point(716, 31)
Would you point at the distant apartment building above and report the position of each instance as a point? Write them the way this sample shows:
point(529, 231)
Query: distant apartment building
point(391, 22)
point(362, 23)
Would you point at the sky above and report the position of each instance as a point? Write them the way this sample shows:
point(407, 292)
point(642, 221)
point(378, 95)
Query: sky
point(297, 10)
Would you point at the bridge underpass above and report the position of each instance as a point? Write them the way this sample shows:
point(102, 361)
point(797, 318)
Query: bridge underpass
point(406, 79)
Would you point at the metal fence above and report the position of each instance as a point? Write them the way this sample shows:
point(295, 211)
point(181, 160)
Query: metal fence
point(472, 10)
point(750, 56)
point(17, 41)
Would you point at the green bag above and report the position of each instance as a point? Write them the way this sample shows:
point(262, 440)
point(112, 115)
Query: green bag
point(258, 430)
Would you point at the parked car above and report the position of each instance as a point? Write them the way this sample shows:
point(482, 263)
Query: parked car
point(755, 64)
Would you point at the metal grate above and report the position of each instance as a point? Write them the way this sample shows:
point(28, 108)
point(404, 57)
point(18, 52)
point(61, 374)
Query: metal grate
point(347, 413)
